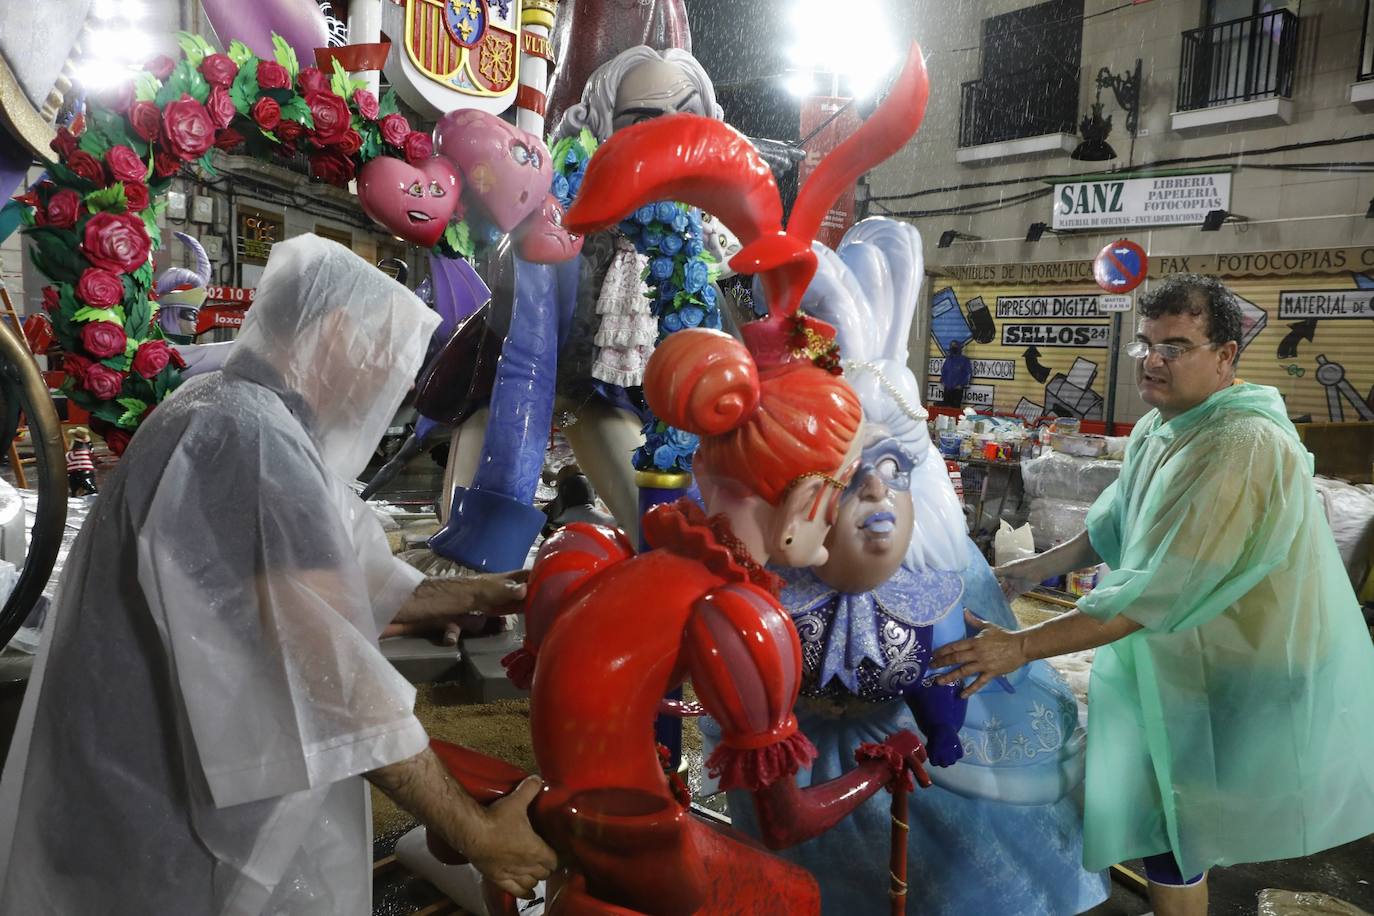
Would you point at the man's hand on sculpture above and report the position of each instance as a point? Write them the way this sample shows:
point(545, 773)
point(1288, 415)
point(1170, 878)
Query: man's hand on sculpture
point(504, 847)
point(993, 652)
point(437, 604)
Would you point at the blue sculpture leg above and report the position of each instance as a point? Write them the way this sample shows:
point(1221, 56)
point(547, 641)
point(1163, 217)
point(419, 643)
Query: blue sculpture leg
point(492, 524)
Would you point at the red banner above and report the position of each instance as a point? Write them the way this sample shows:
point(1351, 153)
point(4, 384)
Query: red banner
point(815, 110)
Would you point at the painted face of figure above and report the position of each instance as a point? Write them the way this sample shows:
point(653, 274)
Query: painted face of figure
point(807, 514)
point(720, 243)
point(655, 88)
point(542, 238)
point(1197, 370)
point(874, 527)
point(413, 202)
point(506, 171)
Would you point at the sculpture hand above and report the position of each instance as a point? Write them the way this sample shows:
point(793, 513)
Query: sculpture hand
point(944, 747)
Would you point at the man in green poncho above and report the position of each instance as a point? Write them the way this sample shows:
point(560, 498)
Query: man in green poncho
point(1231, 708)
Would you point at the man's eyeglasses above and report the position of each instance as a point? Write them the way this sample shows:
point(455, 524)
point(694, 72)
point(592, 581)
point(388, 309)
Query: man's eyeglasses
point(1139, 349)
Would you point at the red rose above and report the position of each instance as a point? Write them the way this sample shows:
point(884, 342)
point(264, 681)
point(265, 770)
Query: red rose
point(220, 107)
point(136, 196)
point(64, 144)
point(103, 339)
point(349, 143)
point(75, 366)
point(124, 164)
point(119, 97)
point(267, 113)
point(102, 381)
point(51, 302)
point(272, 75)
point(395, 129)
point(219, 70)
point(165, 163)
point(312, 79)
point(116, 440)
point(99, 289)
point(145, 119)
point(177, 360)
point(418, 147)
point(187, 128)
point(331, 166)
point(86, 166)
point(290, 131)
point(228, 139)
point(116, 242)
point(160, 66)
point(63, 210)
point(151, 357)
point(366, 103)
point(331, 115)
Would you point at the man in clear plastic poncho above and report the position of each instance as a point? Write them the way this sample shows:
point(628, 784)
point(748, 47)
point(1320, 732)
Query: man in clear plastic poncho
point(210, 690)
point(1231, 708)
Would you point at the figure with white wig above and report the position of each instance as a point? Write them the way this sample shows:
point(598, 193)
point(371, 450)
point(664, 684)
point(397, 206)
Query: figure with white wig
point(1000, 831)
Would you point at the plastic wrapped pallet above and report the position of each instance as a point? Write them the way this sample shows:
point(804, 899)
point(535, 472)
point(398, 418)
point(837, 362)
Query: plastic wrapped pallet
point(1350, 511)
point(1060, 476)
point(1054, 520)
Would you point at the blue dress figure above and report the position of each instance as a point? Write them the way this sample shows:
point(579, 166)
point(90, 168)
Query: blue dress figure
point(1000, 832)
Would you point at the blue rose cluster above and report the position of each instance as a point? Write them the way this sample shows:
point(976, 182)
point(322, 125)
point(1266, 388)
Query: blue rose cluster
point(570, 157)
point(679, 279)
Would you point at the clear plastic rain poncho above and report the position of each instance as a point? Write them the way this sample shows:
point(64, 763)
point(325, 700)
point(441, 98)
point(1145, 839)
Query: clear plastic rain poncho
point(210, 688)
point(1238, 726)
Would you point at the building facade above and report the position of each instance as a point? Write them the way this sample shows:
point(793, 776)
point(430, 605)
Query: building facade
point(1249, 156)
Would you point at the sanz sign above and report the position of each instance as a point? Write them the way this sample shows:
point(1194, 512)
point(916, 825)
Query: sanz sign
point(1163, 201)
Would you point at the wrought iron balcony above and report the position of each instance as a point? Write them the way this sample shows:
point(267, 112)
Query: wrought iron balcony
point(1028, 103)
point(1242, 60)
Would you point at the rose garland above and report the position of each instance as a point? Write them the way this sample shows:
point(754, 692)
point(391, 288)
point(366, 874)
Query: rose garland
point(94, 222)
point(679, 277)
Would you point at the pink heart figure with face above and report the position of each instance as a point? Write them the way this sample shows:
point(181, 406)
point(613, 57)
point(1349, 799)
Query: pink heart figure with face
point(414, 203)
point(506, 170)
point(542, 238)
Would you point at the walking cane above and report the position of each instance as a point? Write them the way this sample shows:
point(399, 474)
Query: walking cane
point(896, 872)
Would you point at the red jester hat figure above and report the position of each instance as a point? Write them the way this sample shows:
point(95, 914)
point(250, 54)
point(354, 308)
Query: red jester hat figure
point(609, 633)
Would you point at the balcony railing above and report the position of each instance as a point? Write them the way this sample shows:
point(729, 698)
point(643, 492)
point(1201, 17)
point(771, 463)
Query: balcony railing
point(1366, 71)
point(1029, 103)
point(1239, 61)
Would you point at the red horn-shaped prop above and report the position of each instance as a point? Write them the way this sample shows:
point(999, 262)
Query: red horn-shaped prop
point(886, 131)
point(696, 160)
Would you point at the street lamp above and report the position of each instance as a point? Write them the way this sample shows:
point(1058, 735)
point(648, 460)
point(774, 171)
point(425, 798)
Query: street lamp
point(855, 47)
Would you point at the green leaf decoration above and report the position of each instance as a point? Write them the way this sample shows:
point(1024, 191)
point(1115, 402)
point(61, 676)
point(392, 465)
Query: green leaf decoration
point(372, 143)
point(130, 344)
point(243, 92)
point(338, 82)
point(133, 410)
point(151, 227)
point(140, 315)
point(117, 363)
point(146, 86)
point(105, 410)
point(388, 105)
point(185, 80)
point(459, 238)
point(111, 126)
point(285, 55)
point(67, 178)
point(206, 165)
point(588, 140)
point(27, 216)
point(94, 142)
point(144, 275)
point(55, 253)
point(241, 54)
point(86, 313)
point(110, 199)
point(296, 110)
point(191, 48)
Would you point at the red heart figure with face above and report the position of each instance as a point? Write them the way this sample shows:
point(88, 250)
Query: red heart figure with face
point(506, 170)
point(542, 238)
point(413, 202)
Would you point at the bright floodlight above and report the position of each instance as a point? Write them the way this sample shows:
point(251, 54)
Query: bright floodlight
point(854, 43)
point(96, 73)
point(799, 83)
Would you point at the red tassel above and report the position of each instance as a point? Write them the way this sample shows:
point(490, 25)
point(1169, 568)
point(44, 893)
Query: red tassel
point(519, 667)
point(894, 760)
point(761, 767)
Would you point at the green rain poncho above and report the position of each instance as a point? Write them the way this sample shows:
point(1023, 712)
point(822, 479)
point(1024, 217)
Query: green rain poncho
point(1238, 725)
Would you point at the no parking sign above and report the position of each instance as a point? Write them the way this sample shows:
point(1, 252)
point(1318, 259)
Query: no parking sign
point(1121, 266)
